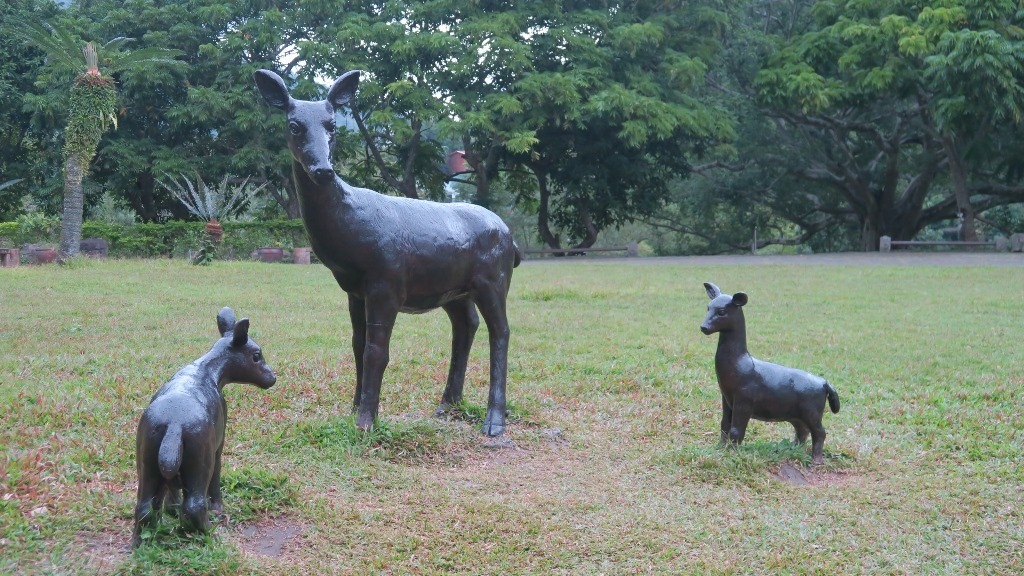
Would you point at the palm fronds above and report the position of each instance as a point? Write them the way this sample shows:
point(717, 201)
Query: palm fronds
point(67, 52)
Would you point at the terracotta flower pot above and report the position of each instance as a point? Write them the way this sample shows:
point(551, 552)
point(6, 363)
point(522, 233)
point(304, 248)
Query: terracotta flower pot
point(215, 230)
point(300, 255)
point(270, 254)
point(44, 255)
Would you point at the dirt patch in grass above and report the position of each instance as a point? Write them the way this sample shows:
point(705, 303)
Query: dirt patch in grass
point(270, 537)
point(103, 551)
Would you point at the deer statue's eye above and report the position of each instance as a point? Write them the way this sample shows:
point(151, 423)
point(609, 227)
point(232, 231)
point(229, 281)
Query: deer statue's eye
point(295, 128)
point(720, 311)
point(257, 357)
point(331, 127)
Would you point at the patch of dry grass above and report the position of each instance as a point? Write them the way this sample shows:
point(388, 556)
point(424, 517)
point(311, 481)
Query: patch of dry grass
point(609, 467)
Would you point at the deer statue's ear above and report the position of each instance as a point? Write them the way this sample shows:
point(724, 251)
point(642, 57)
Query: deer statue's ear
point(712, 290)
point(240, 335)
point(272, 89)
point(225, 320)
point(739, 298)
point(344, 89)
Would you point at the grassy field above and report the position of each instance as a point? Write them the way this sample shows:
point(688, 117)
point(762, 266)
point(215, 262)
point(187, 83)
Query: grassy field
point(610, 464)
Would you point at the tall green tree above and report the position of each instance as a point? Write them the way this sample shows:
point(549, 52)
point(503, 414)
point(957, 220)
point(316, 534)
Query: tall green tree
point(638, 123)
point(203, 118)
point(91, 105)
point(892, 114)
point(596, 101)
point(26, 151)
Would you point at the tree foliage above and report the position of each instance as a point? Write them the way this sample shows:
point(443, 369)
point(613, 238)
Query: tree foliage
point(819, 123)
point(884, 107)
point(92, 102)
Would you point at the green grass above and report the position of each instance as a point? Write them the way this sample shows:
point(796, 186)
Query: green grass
point(610, 463)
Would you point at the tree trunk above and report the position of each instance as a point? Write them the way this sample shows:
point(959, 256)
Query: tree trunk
point(869, 233)
point(958, 174)
point(74, 202)
point(477, 163)
point(587, 221)
point(142, 199)
point(543, 212)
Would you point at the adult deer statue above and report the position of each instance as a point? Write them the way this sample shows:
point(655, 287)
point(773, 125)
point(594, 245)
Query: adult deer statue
point(392, 254)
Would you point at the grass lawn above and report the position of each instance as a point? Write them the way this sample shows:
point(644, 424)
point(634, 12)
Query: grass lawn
point(610, 463)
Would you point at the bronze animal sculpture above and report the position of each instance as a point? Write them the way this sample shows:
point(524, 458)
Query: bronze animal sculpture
point(753, 388)
point(392, 255)
point(181, 434)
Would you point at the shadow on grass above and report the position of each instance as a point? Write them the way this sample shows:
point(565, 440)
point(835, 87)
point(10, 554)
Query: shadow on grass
point(749, 464)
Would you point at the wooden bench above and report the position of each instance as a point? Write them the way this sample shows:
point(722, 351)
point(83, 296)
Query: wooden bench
point(9, 257)
point(630, 250)
point(886, 243)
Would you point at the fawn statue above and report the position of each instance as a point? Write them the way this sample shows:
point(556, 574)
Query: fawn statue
point(181, 434)
point(753, 388)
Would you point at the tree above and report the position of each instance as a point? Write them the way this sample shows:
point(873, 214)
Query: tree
point(92, 105)
point(892, 112)
point(203, 118)
point(596, 102)
point(26, 151)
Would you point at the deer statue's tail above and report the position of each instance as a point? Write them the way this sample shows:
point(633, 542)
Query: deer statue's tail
point(519, 254)
point(833, 398)
point(170, 452)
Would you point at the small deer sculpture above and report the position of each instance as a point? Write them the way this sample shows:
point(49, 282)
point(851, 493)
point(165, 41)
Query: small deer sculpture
point(181, 434)
point(753, 388)
point(392, 255)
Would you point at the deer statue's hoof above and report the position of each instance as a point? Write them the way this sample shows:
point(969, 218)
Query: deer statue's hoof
point(364, 422)
point(443, 409)
point(494, 424)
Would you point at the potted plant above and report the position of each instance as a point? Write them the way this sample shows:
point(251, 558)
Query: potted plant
point(43, 254)
point(212, 204)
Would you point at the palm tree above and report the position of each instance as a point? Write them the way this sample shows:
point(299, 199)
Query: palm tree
point(92, 105)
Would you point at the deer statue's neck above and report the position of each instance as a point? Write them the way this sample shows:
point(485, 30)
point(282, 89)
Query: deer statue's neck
point(732, 343)
point(212, 367)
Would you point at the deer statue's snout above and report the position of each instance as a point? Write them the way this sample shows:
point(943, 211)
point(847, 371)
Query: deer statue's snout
point(321, 174)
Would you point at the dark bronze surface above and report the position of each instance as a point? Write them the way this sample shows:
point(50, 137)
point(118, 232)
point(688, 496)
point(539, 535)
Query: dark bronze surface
point(181, 434)
point(753, 388)
point(392, 255)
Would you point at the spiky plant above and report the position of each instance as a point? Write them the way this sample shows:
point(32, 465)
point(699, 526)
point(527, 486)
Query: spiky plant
point(208, 203)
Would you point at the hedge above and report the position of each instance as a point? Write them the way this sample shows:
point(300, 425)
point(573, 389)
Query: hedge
point(177, 239)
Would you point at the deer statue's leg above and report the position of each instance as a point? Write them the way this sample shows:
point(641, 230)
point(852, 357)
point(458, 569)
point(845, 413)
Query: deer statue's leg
point(801, 431)
point(817, 443)
point(381, 311)
point(147, 507)
point(492, 307)
point(195, 483)
point(357, 313)
point(741, 414)
point(216, 498)
point(465, 321)
point(726, 422)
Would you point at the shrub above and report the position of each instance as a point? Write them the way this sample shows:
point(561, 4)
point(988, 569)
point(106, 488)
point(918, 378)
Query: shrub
point(173, 239)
